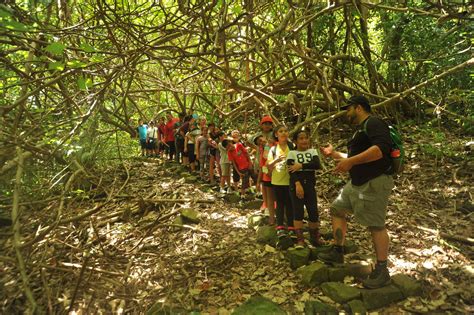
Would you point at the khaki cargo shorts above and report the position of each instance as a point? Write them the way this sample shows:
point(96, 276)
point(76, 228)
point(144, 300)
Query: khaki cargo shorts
point(367, 202)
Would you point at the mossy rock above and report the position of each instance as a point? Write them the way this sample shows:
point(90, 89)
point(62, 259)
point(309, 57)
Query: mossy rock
point(357, 307)
point(377, 298)
point(190, 215)
point(258, 305)
point(360, 270)
point(284, 242)
point(408, 285)
point(267, 235)
point(298, 257)
point(337, 273)
point(319, 308)
point(256, 220)
point(252, 204)
point(350, 247)
point(313, 274)
point(190, 179)
point(232, 198)
point(340, 292)
point(315, 251)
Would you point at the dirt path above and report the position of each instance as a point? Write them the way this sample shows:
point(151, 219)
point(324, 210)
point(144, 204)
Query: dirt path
point(130, 256)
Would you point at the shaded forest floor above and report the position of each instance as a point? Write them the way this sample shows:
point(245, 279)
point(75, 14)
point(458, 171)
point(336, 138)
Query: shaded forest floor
point(129, 255)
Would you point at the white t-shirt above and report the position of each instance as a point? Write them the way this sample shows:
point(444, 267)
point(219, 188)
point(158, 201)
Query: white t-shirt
point(152, 132)
point(192, 135)
point(302, 157)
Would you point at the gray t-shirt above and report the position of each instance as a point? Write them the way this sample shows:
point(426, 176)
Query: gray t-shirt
point(203, 145)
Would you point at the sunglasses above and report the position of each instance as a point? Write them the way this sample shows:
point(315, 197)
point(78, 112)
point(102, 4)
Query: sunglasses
point(267, 123)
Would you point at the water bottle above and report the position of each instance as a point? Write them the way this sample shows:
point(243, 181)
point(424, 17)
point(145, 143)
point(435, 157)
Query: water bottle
point(396, 161)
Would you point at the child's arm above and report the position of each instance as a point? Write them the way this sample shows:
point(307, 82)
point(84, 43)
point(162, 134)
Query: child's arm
point(236, 168)
point(198, 142)
point(186, 143)
point(249, 160)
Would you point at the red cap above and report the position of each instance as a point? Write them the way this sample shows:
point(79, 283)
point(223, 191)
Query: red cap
point(266, 119)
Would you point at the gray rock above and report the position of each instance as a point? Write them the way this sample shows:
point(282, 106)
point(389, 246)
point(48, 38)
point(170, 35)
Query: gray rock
point(357, 307)
point(256, 220)
point(319, 308)
point(314, 274)
point(267, 235)
point(257, 305)
point(190, 215)
point(376, 298)
point(340, 292)
point(298, 257)
point(337, 273)
point(408, 285)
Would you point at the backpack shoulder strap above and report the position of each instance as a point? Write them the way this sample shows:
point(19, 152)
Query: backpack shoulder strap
point(273, 150)
point(364, 126)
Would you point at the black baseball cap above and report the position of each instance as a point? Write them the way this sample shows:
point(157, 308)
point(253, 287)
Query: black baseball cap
point(358, 100)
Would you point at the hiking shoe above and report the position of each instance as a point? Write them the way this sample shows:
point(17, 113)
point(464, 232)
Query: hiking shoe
point(378, 278)
point(281, 231)
point(292, 235)
point(299, 239)
point(222, 191)
point(315, 238)
point(229, 190)
point(332, 257)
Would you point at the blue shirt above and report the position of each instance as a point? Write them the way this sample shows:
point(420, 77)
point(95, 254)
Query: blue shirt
point(142, 132)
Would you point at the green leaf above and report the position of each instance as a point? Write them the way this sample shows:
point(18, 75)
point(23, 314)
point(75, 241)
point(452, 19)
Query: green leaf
point(76, 64)
point(84, 83)
point(87, 48)
point(16, 26)
point(97, 59)
point(4, 12)
point(56, 66)
point(55, 48)
point(237, 9)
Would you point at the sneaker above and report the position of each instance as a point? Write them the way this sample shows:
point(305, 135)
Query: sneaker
point(332, 257)
point(222, 191)
point(229, 190)
point(281, 231)
point(378, 278)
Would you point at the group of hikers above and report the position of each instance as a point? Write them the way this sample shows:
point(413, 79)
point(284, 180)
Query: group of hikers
point(283, 170)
